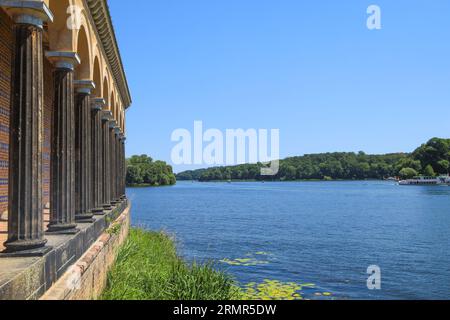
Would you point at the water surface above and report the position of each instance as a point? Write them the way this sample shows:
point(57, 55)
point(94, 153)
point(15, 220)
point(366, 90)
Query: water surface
point(325, 233)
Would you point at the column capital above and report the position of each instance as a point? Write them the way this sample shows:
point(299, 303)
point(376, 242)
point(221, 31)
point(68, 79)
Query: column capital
point(84, 86)
point(106, 115)
point(112, 124)
point(63, 59)
point(33, 12)
point(98, 104)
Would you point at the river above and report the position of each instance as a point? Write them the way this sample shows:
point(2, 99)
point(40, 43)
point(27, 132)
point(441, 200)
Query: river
point(321, 233)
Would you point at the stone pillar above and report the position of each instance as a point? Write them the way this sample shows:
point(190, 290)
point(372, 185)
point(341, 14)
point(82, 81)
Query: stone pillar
point(106, 181)
point(122, 166)
point(119, 166)
point(25, 219)
point(113, 158)
point(62, 169)
point(83, 149)
point(97, 152)
point(124, 170)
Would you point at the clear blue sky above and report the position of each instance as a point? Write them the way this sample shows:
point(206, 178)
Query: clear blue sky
point(310, 68)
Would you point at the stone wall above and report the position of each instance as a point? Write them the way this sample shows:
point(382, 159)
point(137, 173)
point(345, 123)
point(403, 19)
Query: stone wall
point(86, 279)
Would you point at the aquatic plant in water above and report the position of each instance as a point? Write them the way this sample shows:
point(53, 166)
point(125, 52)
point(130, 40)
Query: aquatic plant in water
point(274, 290)
point(252, 259)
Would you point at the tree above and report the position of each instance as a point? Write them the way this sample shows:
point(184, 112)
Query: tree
point(429, 171)
point(408, 173)
point(443, 166)
point(143, 170)
point(134, 175)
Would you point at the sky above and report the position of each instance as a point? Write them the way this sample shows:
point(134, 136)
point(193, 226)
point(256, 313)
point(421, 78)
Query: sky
point(311, 69)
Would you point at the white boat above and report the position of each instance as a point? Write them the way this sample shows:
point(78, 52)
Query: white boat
point(426, 181)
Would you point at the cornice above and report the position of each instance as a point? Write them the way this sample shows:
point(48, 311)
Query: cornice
point(102, 19)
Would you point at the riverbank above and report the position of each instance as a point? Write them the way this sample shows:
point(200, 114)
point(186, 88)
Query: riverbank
point(148, 268)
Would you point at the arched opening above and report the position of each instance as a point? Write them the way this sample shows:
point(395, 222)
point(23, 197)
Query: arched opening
point(60, 35)
point(105, 92)
point(83, 71)
point(97, 79)
point(112, 106)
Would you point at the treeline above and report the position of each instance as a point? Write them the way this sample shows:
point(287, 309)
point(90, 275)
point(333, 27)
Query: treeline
point(142, 170)
point(429, 159)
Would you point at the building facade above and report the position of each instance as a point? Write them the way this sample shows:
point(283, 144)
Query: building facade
point(63, 97)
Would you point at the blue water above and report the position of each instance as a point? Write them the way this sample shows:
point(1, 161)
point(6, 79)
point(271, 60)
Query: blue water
point(326, 233)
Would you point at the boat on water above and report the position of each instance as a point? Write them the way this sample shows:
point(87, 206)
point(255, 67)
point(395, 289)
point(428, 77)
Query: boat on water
point(426, 181)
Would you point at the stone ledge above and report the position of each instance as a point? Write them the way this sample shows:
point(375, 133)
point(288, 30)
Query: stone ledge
point(30, 278)
point(86, 279)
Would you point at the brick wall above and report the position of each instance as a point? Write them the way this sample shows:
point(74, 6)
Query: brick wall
point(5, 87)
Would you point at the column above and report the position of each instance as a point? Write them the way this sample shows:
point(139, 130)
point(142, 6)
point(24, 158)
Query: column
point(25, 219)
point(119, 166)
point(62, 164)
point(106, 182)
point(83, 150)
point(97, 161)
point(124, 184)
point(113, 162)
point(122, 161)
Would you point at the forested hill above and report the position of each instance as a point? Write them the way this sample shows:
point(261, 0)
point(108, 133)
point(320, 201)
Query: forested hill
point(429, 159)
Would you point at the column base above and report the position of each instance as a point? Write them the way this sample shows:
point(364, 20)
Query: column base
point(25, 249)
point(84, 218)
point(98, 211)
point(62, 229)
point(107, 207)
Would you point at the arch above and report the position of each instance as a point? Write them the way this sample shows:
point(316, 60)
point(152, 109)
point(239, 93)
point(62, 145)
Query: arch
point(97, 78)
point(83, 71)
point(60, 35)
point(112, 106)
point(106, 92)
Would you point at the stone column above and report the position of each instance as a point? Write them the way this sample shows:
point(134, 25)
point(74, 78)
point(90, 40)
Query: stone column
point(124, 169)
point(83, 149)
point(25, 219)
point(106, 181)
point(118, 164)
point(97, 151)
point(113, 158)
point(122, 166)
point(62, 169)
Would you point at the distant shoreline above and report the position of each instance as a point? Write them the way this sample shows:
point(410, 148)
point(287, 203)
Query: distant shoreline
point(297, 180)
point(148, 185)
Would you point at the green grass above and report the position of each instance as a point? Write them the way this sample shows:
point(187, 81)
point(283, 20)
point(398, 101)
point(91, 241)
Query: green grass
point(148, 268)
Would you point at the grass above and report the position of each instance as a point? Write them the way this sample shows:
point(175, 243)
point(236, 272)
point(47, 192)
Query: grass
point(148, 268)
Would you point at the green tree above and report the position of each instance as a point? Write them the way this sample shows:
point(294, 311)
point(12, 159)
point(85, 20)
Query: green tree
point(134, 175)
point(408, 173)
point(429, 171)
